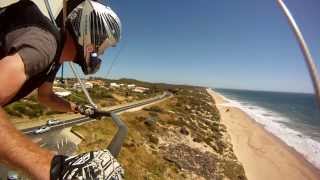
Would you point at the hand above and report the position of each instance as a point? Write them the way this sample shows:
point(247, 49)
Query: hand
point(91, 165)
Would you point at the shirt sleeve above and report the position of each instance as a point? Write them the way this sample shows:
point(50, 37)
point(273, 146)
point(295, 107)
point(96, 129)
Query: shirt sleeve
point(36, 47)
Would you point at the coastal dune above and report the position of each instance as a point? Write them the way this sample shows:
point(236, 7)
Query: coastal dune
point(264, 156)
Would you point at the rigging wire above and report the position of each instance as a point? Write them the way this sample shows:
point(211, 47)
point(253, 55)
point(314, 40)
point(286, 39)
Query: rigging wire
point(62, 71)
point(47, 3)
point(115, 59)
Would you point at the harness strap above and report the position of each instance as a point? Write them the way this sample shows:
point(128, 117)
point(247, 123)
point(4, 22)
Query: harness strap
point(2, 10)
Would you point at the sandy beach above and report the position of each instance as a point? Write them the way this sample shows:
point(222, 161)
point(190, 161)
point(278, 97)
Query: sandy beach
point(264, 156)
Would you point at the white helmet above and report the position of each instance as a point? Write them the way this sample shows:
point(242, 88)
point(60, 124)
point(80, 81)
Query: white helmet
point(94, 27)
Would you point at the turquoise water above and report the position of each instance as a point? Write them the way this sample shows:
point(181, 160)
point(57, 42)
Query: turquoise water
point(293, 117)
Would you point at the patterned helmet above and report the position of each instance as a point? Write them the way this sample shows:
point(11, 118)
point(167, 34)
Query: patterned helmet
point(94, 27)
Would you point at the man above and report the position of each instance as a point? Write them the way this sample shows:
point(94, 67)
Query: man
point(31, 52)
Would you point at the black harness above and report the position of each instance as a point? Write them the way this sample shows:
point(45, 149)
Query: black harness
point(2, 53)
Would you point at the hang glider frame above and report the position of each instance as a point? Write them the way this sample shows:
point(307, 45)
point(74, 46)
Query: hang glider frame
point(312, 68)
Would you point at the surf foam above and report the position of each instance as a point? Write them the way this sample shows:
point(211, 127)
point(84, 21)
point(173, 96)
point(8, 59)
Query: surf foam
point(274, 123)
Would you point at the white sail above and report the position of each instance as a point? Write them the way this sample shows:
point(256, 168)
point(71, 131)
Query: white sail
point(56, 6)
point(5, 3)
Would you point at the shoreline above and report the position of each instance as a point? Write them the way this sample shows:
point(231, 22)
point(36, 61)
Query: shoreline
point(263, 155)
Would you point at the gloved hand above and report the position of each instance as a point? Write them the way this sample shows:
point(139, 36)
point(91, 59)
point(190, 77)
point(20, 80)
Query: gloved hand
point(86, 110)
point(88, 166)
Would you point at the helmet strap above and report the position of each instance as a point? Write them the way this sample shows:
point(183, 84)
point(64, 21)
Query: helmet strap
point(79, 58)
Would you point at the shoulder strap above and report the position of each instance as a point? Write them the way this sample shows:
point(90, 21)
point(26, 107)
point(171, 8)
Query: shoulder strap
point(2, 10)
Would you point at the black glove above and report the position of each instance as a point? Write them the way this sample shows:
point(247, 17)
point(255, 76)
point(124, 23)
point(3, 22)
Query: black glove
point(86, 110)
point(87, 166)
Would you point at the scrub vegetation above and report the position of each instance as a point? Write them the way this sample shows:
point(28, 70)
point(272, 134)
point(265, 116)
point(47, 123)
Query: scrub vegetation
point(101, 94)
point(180, 138)
point(28, 108)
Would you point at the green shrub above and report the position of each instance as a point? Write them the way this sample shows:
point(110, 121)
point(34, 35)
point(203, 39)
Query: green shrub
point(77, 97)
point(25, 108)
point(153, 109)
point(153, 114)
point(233, 170)
point(98, 93)
point(19, 107)
point(104, 104)
point(12, 112)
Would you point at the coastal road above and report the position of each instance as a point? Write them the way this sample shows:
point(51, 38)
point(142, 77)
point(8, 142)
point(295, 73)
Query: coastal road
point(84, 119)
point(60, 140)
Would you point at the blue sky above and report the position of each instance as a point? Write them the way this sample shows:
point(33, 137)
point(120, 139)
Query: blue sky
point(243, 44)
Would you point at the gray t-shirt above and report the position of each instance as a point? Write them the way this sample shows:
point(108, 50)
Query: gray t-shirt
point(26, 31)
point(36, 47)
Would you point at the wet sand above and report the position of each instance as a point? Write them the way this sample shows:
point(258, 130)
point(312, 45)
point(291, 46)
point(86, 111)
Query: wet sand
point(264, 156)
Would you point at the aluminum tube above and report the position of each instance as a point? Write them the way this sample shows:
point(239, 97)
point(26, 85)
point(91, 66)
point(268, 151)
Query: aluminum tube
point(305, 50)
point(117, 141)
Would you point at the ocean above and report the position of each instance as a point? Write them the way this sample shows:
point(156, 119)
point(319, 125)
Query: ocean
point(293, 117)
